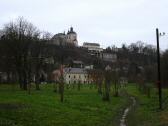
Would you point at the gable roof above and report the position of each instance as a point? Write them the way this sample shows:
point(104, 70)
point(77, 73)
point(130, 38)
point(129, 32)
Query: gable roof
point(91, 44)
point(75, 71)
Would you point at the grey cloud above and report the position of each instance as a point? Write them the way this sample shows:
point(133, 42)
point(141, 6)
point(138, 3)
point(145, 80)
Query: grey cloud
point(105, 21)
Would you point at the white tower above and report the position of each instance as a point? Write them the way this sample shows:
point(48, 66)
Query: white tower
point(72, 37)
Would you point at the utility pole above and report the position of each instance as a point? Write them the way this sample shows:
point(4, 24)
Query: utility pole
point(159, 74)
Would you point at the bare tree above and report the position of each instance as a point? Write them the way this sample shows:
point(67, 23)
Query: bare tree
point(107, 82)
point(20, 35)
point(96, 76)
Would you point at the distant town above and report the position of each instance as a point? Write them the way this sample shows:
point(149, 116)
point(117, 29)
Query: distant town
point(76, 67)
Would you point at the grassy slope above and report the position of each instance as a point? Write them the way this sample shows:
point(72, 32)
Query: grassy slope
point(146, 112)
point(43, 108)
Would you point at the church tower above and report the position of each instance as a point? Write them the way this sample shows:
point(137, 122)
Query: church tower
point(72, 37)
point(65, 39)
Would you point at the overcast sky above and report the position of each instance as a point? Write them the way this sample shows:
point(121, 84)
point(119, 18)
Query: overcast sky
point(108, 22)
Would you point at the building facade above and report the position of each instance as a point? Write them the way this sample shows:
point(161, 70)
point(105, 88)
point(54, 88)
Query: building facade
point(109, 57)
point(76, 75)
point(65, 39)
point(95, 47)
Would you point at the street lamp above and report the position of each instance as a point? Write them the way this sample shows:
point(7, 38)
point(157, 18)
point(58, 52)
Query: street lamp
point(158, 62)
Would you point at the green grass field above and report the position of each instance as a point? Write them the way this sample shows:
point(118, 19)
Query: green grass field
point(43, 108)
point(146, 112)
point(80, 108)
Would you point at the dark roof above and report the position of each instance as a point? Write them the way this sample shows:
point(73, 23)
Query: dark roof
point(77, 62)
point(93, 44)
point(58, 35)
point(71, 31)
point(75, 70)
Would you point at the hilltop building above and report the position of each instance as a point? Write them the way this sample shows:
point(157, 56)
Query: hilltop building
point(92, 47)
point(110, 57)
point(95, 50)
point(65, 39)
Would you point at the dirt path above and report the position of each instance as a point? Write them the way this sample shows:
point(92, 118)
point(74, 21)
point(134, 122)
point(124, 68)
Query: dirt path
point(123, 119)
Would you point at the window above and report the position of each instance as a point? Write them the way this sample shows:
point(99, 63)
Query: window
point(74, 82)
point(69, 76)
point(79, 76)
point(74, 76)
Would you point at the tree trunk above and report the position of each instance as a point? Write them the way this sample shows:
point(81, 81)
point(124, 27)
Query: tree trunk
point(78, 86)
point(20, 79)
point(62, 92)
point(116, 89)
point(59, 88)
point(37, 81)
point(62, 84)
point(37, 86)
point(100, 88)
point(25, 80)
point(8, 78)
point(55, 87)
point(29, 87)
point(25, 84)
point(106, 96)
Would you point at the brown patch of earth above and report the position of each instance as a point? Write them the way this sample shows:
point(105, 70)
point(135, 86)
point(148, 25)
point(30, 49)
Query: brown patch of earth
point(164, 118)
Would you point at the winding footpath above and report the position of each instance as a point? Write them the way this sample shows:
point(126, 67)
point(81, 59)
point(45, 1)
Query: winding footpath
point(123, 119)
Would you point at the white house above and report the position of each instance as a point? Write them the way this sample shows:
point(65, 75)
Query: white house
point(93, 48)
point(76, 75)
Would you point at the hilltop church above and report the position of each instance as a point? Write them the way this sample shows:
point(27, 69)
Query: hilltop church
point(65, 39)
